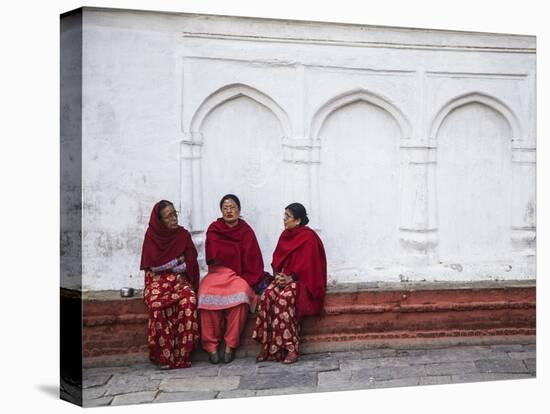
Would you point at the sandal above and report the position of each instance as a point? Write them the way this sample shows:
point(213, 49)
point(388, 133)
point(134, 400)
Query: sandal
point(291, 358)
point(262, 356)
point(214, 357)
point(228, 356)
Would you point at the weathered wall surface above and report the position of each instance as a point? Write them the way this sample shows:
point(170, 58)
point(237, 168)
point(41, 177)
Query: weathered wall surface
point(413, 150)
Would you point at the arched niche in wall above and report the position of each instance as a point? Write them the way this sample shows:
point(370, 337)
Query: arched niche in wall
point(359, 134)
point(240, 131)
point(474, 134)
point(233, 91)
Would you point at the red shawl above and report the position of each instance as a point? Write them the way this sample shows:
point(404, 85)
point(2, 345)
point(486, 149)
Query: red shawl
point(162, 245)
point(301, 251)
point(235, 248)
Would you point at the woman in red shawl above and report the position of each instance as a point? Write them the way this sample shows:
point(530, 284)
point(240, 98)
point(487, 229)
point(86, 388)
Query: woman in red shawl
point(300, 269)
point(169, 259)
point(235, 265)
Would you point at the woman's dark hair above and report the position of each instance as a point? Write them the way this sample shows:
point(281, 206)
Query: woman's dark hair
point(299, 212)
point(230, 197)
point(162, 205)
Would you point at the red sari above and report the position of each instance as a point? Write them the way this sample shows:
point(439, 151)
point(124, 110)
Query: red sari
point(300, 253)
point(170, 296)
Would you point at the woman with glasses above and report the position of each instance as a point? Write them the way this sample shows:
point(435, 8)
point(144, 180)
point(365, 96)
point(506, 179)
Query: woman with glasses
point(300, 270)
point(235, 266)
point(169, 259)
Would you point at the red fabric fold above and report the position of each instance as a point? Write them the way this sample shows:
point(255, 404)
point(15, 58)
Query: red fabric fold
point(236, 248)
point(301, 251)
point(162, 245)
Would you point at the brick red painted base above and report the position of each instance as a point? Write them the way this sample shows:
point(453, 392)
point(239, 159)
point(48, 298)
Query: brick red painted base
point(115, 328)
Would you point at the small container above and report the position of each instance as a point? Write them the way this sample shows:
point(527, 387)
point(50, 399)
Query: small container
point(127, 292)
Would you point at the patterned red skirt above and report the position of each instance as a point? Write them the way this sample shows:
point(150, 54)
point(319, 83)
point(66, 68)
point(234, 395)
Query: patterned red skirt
point(173, 329)
point(276, 327)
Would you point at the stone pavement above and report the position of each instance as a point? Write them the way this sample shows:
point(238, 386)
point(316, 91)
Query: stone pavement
point(322, 372)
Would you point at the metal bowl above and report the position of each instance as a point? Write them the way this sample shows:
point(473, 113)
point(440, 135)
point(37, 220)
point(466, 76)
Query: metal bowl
point(127, 292)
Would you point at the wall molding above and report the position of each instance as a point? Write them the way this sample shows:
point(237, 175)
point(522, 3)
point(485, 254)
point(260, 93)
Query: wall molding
point(351, 97)
point(354, 43)
point(234, 91)
point(481, 98)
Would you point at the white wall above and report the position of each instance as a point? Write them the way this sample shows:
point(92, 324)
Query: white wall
point(413, 150)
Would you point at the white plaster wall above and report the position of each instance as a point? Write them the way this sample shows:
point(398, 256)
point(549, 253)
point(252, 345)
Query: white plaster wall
point(413, 150)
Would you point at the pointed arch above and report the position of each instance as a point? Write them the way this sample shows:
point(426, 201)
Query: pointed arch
point(358, 95)
point(234, 91)
point(481, 98)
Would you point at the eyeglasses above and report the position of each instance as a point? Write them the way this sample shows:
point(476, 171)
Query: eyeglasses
point(229, 208)
point(172, 214)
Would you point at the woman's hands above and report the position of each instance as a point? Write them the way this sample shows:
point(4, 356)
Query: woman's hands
point(281, 280)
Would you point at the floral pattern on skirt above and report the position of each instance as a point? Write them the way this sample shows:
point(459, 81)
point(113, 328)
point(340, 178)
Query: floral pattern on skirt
point(276, 327)
point(173, 327)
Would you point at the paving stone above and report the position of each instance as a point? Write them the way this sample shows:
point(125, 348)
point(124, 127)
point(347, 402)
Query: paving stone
point(508, 347)
point(279, 380)
point(134, 398)
point(185, 396)
point(97, 402)
point(387, 373)
point(95, 380)
point(321, 372)
point(501, 365)
point(319, 356)
point(144, 366)
point(199, 384)
point(378, 353)
point(121, 384)
point(402, 361)
point(523, 355)
point(236, 394)
point(451, 368)
point(334, 381)
point(484, 376)
point(246, 366)
point(333, 376)
point(357, 364)
point(94, 392)
point(202, 370)
point(349, 386)
point(463, 348)
point(343, 356)
point(300, 366)
point(410, 352)
point(531, 364)
point(436, 379)
point(459, 354)
point(399, 382)
point(286, 391)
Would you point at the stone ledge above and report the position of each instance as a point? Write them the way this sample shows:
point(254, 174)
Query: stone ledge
point(104, 295)
point(352, 319)
point(379, 346)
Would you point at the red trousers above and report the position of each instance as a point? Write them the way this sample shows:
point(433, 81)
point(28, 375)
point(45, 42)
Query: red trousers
point(212, 322)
